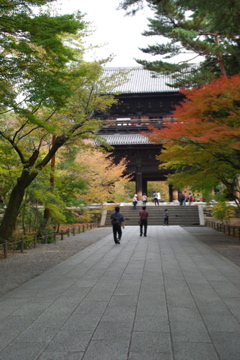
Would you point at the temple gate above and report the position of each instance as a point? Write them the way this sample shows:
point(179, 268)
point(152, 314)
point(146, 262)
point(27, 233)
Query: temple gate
point(144, 101)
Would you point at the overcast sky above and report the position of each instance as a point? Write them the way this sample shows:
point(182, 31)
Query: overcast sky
point(120, 33)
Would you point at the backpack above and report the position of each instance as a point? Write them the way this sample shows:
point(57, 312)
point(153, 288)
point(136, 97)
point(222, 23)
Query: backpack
point(115, 220)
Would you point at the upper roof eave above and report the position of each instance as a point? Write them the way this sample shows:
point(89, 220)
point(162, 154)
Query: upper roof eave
point(142, 81)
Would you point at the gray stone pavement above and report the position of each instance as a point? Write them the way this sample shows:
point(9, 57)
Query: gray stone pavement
point(167, 296)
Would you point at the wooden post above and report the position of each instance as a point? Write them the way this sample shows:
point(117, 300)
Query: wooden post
point(5, 249)
point(61, 234)
point(35, 241)
point(22, 245)
point(68, 232)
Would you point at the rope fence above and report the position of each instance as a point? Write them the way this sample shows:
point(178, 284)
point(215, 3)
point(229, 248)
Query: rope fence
point(230, 230)
point(22, 244)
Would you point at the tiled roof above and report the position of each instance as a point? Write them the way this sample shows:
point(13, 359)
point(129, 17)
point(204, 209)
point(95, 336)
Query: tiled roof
point(142, 81)
point(126, 139)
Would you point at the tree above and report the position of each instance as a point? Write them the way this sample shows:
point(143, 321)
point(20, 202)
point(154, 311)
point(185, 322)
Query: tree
point(33, 54)
point(197, 28)
point(106, 180)
point(203, 145)
point(42, 194)
point(29, 133)
point(35, 83)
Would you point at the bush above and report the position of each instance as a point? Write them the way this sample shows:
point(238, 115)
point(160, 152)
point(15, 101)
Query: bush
point(45, 235)
point(223, 212)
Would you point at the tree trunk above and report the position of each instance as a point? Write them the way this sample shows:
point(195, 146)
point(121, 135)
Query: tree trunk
point(47, 212)
point(17, 194)
point(220, 58)
point(10, 216)
point(11, 213)
point(46, 215)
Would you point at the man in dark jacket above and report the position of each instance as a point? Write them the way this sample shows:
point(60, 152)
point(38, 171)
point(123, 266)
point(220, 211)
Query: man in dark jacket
point(117, 221)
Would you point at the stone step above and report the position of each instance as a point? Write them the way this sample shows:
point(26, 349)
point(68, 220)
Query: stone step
point(178, 215)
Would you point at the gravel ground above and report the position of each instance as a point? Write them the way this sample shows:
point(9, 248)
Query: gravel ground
point(19, 268)
point(227, 246)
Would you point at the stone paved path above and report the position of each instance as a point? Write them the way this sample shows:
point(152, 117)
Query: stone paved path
point(165, 297)
point(19, 268)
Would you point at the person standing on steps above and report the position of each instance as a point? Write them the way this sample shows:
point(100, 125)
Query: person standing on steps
point(144, 199)
point(143, 214)
point(117, 220)
point(155, 198)
point(190, 198)
point(135, 201)
point(166, 216)
point(184, 198)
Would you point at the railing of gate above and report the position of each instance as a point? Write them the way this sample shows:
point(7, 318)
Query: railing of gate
point(136, 122)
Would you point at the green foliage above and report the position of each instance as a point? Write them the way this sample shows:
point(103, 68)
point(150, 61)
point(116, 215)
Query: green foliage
point(48, 96)
point(31, 142)
point(34, 57)
point(197, 28)
point(45, 235)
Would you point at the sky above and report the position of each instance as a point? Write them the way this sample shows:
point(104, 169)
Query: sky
point(118, 34)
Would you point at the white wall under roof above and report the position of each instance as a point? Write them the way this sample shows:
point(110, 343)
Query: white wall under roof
point(123, 139)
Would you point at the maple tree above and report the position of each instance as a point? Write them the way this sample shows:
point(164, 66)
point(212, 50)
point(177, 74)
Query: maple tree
point(29, 133)
point(105, 179)
point(80, 178)
point(34, 53)
point(202, 146)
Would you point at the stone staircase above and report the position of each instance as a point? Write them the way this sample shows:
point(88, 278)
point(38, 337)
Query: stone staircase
point(178, 215)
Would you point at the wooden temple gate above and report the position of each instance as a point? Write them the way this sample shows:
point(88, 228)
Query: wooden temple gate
point(144, 101)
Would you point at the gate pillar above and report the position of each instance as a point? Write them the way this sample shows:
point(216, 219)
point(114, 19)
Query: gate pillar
point(170, 193)
point(144, 186)
point(139, 182)
point(173, 194)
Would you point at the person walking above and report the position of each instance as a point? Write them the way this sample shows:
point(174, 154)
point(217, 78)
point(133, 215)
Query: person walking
point(166, 216)
point(144, 199)
point(143, 215)
point(117, 220)
point(135, 201)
